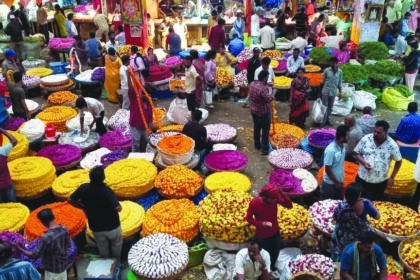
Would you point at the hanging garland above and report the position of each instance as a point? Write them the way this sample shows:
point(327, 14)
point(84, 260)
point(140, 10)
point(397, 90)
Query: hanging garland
point(273, 116)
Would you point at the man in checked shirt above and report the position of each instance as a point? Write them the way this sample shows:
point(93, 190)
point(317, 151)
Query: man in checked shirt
point(52, 247)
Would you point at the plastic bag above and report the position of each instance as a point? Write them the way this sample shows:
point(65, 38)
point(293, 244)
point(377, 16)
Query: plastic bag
point(208, 97)
point(285, 256)
point(219, 265)
point(362, 98)
point(394, 100)
point(178, 111)
point(318, 111)
point(342, 108)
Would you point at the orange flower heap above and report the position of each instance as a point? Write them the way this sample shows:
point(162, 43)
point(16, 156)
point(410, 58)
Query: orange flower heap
point(176, 144)
point(178, 181)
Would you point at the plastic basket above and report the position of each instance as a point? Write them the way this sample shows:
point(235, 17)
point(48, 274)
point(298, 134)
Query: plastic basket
point(58, 67)
point(161, 94)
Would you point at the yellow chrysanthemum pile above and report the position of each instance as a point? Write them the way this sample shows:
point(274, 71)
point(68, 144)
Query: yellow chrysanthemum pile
point(21, 148)
point(58, 116)
point(130, 178)
point(293, 222)
point(61, 97)
point(13, 216)
point(39, 71)
point(131, 219)
point(228, 180)
point(69, 181)
point(178, 181)
point(404, 183)
point(284, 128)
point(31, 175)
point(177, 217)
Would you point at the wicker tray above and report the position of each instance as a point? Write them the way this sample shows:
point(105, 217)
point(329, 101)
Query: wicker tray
point(407, 266)
point(68, 166)
point(306, 275)
point(303, 167)
point(392, 237)
point(48, 81)
point(66, 86)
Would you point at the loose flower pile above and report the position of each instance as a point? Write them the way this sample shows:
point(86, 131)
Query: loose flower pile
point(321, 214)
point(222, 216)
point(314, 263)
point(404, 183)
point(285, 180)
point(112, 157)
point(234, 181)
point(293, 222)
point(13, 216)
point(115, 140)
point(61, 154)
point(33, 129)
point(226, 160)
point(178, 181)
point(61, 97)
point(321, 137)
point(223, 77)
point(289, 158)
point(410, 253)
point(285, 141)
point(220, 132)
point(39, 71)
point(282, 82)
point(13, 124)
point(58, 116)
point(315, 79)
point(177, 217)
point(72, 218)
point(350, 173)
point(69, 181)
point(176, 144)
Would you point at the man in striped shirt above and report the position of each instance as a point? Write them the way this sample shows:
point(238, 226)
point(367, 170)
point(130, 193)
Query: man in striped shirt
point(13, 269)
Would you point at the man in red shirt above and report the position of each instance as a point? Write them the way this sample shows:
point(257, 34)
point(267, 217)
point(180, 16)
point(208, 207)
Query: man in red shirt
point(217, 37)
point(262, 213)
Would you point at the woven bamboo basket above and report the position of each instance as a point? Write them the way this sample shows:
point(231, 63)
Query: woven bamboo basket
point(285, 136)
point(409, 267)
point(319, 230)
point(68, 166)
point(306, 275)
point(402, 189)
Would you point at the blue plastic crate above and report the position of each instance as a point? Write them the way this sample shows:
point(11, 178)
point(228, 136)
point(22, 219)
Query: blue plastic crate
point(58, 67)
point(160, 94)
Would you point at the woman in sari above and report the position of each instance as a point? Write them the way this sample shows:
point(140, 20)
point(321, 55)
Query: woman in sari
point(199, 67)
point(343, 55)
point(151, 57)
point(351, 219)
point(298, 101)
point(61, 21)
point(210, 76)
point(112, 75)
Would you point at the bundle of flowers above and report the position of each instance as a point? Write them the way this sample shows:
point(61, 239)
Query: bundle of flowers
point(71, 254)
point(131, 219)
point(11, 237)
point(290, 158)
point(177, 217)
point(58, 116)
point(222, 216)
point(131, 177)
point(158, 73)
point(293, 222)
point(98, 74)
point(30, 81)
point(61, 43)
point(69, 181)
point(321, 214)
point(13, 124)
point(61, 154)
point(228, 180)
point(120, 120)
point(350, 173)
point(241, 79)
point(72, 218)
point(13, 216)
point(314, 263)
point(21, 148)
point(178, 181)
point(112, 157)
point(61, 97)
point(93, 158)
point(115, 140)
point(176, 144)
point(31, 175)
point(226, 160)
point(220, 132)
point(321, 137)
point(284, 128)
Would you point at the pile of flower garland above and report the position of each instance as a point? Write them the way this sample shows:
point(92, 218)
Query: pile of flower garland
point(61, 97)
point(293, 222)
point(178, 181)
point(115, 140)
point(350, 173)
point(284, 128)
point(314, 263)
point(322, 137)
point(220, 132)
point(176, 144)
point(31, 175)
point(404, 183)
point(112, 157)
point(61, 154)
point(228, 180)
point(289, 158)
point(58, 116)
point(226, 160)
point(69, 181)
point(321, 214)
point(177, 217)
point(13, 216)
point(21, 148)
point(13, 124)
point(131, 178)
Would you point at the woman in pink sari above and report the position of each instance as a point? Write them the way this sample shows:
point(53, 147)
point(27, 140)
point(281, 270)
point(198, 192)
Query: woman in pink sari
point(299, 105)
point(343, 55)
point(199, 67)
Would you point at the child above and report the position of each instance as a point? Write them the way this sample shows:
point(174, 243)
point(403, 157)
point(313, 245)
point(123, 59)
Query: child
point(124, 83)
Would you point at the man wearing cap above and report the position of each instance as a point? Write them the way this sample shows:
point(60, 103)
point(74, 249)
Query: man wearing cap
point(9, 63)
point(14, 30)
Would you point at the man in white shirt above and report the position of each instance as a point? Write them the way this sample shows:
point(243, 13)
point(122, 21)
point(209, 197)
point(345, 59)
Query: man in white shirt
point(253, 262)
point(400, 43)
point(294, 62)
point(255, 25)
point(136, 63)
point(111, 43)
point(300, 42)
point(124, 82)
point(268, 37)
point(70, 27)
point(191, 77)
point(120, 38)
point(96, 108)
point(265, 65)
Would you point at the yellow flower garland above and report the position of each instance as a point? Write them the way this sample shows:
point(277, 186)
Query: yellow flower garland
point(13, 216)
point(227, 180)
point(404, 182)
point(69, 181)
point(21, 148)
point(31, 175)
point(293, 222)
point(284, 128)
point(177, 217)
point(58, 116)
point(131, 177)
point(131, 219)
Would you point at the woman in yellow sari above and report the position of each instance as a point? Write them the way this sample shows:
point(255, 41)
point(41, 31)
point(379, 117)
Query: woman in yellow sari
point(112, 74)
point(61, 21)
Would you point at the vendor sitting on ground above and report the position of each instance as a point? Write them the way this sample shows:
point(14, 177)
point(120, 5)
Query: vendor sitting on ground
point(94, 46)
point(224, 59)
point(361, 259)
point(294, 62)
point(96, 108)
point(408, 130)
point(366, 122)
point(17, 97)
point(11, 268)
point(236, 45)
point(252, 262)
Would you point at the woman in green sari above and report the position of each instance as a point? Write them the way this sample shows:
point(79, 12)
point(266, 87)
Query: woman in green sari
point(61, 21)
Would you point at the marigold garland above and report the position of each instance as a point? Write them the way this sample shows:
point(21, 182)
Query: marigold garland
point(176, 144)
point(58, 116)
point(69, 181)
point(131, 177)
point(178, 181)
point(228, 180)
point(177, 217)
point(131, 219)
point(284, 128)
point(72, 218)
point(31, 175)
point(21, 148)
point(176, 127)
point(61, 97)
point(404, 183)
point(13, 216)
point(350, 173)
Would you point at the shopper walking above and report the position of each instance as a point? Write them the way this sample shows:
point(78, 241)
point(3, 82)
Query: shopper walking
point(112, 74)
point(7, 190)
point(101, 207)
point(331, 83)
point(411, 63)
point(42, 21)
point(210, 77)
point(199, 85)
point(298, 101)
point(125, 60)
point(191, 79)
point(217, 37)
point(14, 30)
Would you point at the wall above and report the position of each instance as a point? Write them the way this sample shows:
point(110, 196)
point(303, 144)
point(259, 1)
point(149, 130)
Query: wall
point(364, 31)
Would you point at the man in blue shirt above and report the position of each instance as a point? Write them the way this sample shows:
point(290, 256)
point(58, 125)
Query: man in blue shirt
point(334, 155)
point(236, 45)
point(404, 24)
point(174, 42)
point(361, 259)
point(94, 46)
point(408, 130)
